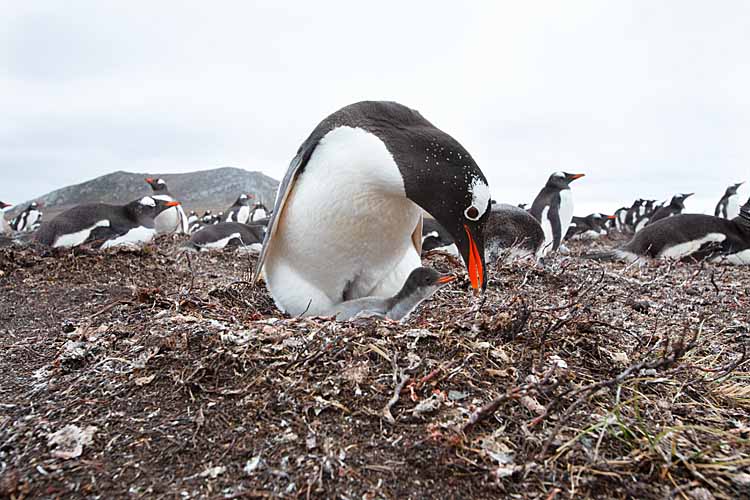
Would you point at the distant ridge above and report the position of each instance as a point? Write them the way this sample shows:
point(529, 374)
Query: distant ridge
point(215, 189)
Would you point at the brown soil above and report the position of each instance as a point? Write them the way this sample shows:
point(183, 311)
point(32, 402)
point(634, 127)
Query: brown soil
point(179, 378)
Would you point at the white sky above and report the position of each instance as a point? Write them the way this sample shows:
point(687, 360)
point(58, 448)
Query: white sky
point(647, 98)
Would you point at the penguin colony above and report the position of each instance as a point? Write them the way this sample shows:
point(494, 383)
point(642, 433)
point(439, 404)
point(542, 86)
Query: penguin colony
point(373, 187)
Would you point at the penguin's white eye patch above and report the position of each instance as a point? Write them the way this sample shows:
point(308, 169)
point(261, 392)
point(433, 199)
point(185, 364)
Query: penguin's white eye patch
point(472, 213)
point(148, 201)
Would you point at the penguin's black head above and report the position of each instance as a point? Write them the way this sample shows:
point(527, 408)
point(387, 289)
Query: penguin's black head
point(562, 180)
point(425, 277)
point(147, 207)
point(34, 205)
point(679, 199)
point(458, 197)
point(731, 190)
point(156, 184)
point(4, 205)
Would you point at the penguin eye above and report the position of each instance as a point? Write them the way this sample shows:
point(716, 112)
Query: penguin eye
point(472, 213)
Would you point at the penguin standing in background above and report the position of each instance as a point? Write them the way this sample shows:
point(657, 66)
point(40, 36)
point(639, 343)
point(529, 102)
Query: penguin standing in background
point(553, 208)
point(690, 236)
point(172, 220)
point(352, 201)
point(620, 215)
point(259, 212)
point(4, 226)
point(420, 285)
point(634, 213)
point(192, 218)
point(729, 204)
point(105, 225)
point(675, 207)
point(29, 219)
point(228, 234)
point(240, 210)
point(648, 212)
point(512, 233)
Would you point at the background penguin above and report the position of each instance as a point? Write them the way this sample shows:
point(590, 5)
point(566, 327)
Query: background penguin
point(590, 227)
point(352, 200)
point(29, 219)
point(228, 234)
point(512, 232)
point(553, 208)
point(105, 225)
point(172, 220)
point(207, 217)
point(694, 236)
point(259, 212)
point(421, 284)
point(729, 204)
point(240, 210)
point(620, 215)
point(647, 212)
point(435, 237)
point(634, 212)
point(4, 226)
point(192, 218)
point(676, 206)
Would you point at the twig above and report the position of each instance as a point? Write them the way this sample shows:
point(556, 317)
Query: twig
point(400, 379)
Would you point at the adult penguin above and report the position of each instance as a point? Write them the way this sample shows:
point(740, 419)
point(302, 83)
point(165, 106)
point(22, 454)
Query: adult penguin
point(729, 204)
point(172, 220)
point(675, 207)
point(553, 208)
point(347, 221)
point(4, 226)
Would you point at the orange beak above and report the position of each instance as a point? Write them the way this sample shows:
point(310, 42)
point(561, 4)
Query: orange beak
point(172, 203)
point(611, 217)
point(446, 279)
point(149, 180)
point(578, 176)
point(476, 272)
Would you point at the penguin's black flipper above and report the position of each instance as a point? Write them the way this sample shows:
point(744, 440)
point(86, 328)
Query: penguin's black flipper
point(556, 230)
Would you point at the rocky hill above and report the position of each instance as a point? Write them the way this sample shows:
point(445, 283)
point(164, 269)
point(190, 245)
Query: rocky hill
point(215, 189)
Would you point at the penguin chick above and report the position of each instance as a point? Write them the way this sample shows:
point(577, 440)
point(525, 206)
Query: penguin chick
point(420, 285)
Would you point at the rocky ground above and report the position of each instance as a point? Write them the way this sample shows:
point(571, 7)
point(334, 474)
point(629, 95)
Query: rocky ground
point(162, 374)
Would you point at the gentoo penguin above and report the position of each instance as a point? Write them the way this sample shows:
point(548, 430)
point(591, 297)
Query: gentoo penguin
point(104, 225)
point(729, 204)
point(645, 216)
point(29, 219)
point(259, 212)
point(553, 208)
point(4, 226)
point(347, 222)
point(590, 227)
point(436, 237)
point(240, 210)
point(620, 214)
point(421, 284)
point(172, 220)
point(232, 234)
point(512, 232)
point(676, 206)
point(192, 218)
point(635, 211)
point(693, 236)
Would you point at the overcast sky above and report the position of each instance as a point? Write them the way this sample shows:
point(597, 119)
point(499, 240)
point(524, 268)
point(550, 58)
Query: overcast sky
point(647, 98)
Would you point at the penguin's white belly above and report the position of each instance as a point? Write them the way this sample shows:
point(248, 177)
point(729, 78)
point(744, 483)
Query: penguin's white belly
point(565, 211)
point(243, 214)
point(547, 229)
point(134, 237)
point(682, 250)
point(741, 258)
point(168, 221)
point(259, 214)
point(79, 237)
point(641, 224)
point(346, 226)
point(733, 206)
point(221, 243)
point(32, 219)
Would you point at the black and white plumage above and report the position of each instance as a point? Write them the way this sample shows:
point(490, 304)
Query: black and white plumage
point(512, 232)
point(436, 237)
point(591, 227)
point(645, 214)
point(553, 208)
point(729, 204)
point(228, 234)
point(103, 225)
point(620, 215)
point(28, 220)
point(259, 212)
point(4, 225)
point(240, 210)
point(421, 283)
point(690, 236)
point(675, 207)
point(172, 220)
point(352, 200)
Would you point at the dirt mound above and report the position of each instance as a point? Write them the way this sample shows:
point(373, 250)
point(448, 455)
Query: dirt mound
point(160, 373)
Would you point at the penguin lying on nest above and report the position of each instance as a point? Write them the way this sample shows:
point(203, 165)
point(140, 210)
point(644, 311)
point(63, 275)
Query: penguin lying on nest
point(347, 222)
point(104, 225)
point(512, 233)
point(228, 234)
point(691, 237)
point(420, 285)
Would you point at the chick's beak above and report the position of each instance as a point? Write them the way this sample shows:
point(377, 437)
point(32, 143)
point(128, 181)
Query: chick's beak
point(446, 279)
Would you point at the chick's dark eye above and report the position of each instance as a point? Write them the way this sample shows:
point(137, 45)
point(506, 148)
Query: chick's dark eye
point(472, 213)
